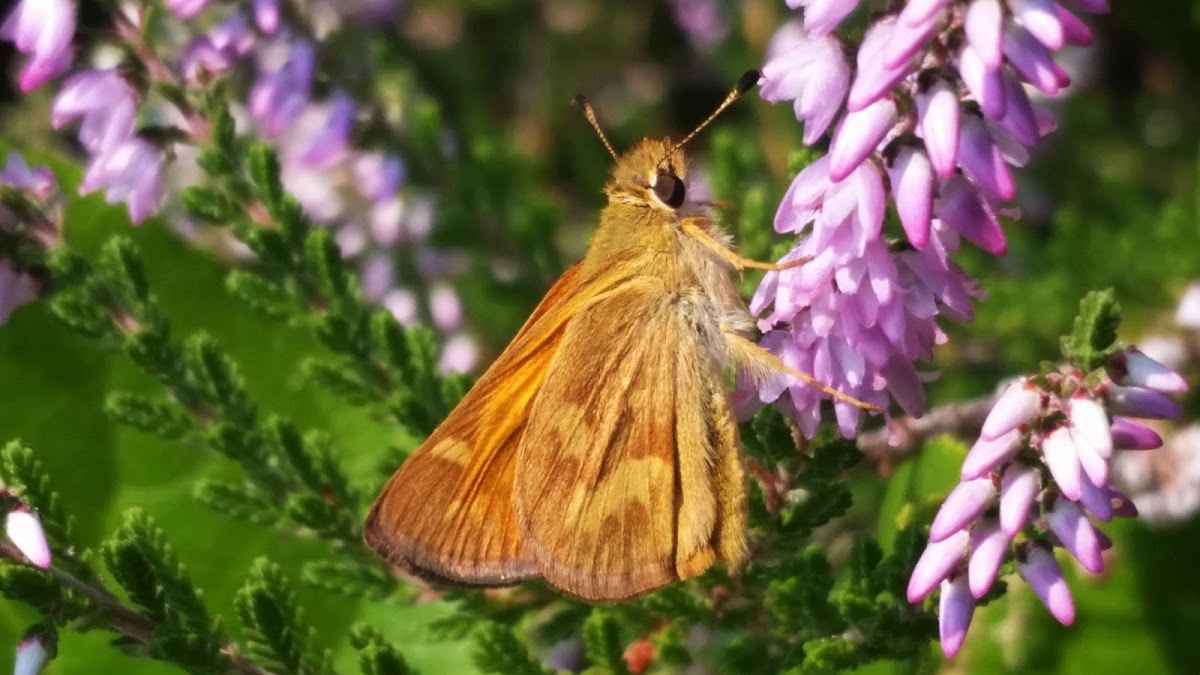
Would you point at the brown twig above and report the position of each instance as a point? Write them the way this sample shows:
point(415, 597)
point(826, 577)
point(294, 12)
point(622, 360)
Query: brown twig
point(907, 433)
point(125, 620)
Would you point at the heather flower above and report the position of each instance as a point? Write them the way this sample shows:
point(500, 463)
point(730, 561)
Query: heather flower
point(42, 29)
point(24, 529)
point(811, 71)
point(1040, 467)
point(944, 113)
point(701, 21)
point(281, 93)
point(130, 172)
point(1188, 312)
point(31, 656)
point(186, 8)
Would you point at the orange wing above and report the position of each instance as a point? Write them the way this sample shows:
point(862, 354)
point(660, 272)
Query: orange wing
point(628, 474)
point(447, 512)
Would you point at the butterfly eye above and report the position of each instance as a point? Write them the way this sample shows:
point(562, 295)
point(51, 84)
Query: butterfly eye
point(669, 189)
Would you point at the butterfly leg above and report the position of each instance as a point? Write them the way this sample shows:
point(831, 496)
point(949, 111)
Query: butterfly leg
point(761, 364)
point(691, 226)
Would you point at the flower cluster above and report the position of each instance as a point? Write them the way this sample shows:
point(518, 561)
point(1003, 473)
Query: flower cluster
point(137, 144)
point(933, 113)
point(1038, 471)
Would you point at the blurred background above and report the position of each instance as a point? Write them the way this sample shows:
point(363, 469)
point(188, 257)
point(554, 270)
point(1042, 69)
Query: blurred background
point(502, 182)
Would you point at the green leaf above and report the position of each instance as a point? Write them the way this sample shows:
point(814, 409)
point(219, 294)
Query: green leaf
point(602, 642)
point(497, 649)
point(162, 417)
point(24, 475)
point(261, 294)
point(207, 204)
point(216, 378)
point(238, 500)
point(377, 656)
point(274, 628)
point(147, 567)
point(1093, 340)
point(351, 579)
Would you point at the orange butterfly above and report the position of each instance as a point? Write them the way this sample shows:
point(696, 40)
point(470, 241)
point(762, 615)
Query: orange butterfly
point(600, 451)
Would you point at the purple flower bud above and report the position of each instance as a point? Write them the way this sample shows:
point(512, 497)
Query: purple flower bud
point(954, 615)
point(186, 8)
point(24, 530)
point(988, 546)
point(1130, 435)
point(1018, 488)
point(1033, 61)
point(983, 81)
point(1060, 455)
point(822, 16)
point(988, 454)
point(965, 503)
point(981, 159)
point(874, 78)
point(1134, 368)
point(130, 172)
point(908, 39)
point(935, 564)
point(43, 29)
point(1089, 424)
point(1018, 404)
point(857, 135)
point(1188, 312)
point(984, 24)
point(202, 60)
point(31, 656)
point(1122, 505)
point(1138, 402)
point(38, 182)
point(278, 97)
point(938, 117)
point(1098, 500)
point(328, 145)
point(1040, 18)
point(1075, 31)
point(912, 185)
point(919, 12)
point(445, 307)
point(266, 15)
point(1019, 118)
point(809, 70)
point(1068, 522)
point(1095, 467)
point(960, 206)
point(459, 355)
point(1041, 571)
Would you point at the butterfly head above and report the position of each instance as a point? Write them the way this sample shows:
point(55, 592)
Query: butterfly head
point(652, 174)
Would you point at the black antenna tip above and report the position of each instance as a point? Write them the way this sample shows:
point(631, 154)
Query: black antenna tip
point(580, 101)
point(748, 81)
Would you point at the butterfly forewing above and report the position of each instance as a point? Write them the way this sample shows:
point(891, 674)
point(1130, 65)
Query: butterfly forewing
point(448, 511)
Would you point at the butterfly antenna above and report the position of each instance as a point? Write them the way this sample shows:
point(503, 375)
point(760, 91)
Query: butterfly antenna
point(585, 105)
point(745, 83)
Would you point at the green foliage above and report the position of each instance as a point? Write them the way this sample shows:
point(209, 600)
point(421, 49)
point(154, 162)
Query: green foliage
point(148, 568)
point(274, 629)
point(497, 649)
point(1094, 338)
point(376, 656)
point(602, 643)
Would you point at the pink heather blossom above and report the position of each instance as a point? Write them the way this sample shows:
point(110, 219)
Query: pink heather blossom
point(823, 16)
point(954, 615)
point(1018, 488)
point(1054, 425)
point(266, 15)
point(809, 70)
point(43, 30)
point(938, 116)
point(281, 94)
point(24, 529)
point(186, 8)
point(31, 656)
point(130, 172)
